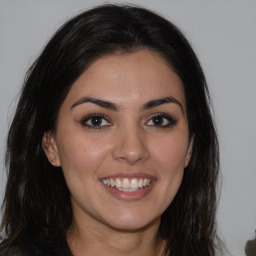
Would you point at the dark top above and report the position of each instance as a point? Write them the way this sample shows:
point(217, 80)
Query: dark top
point(10, 252)
point(24, 248)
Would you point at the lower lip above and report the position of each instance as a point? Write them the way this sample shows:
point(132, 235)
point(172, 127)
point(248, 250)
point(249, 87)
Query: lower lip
point(129, 196)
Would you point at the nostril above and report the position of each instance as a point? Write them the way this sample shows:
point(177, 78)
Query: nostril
point(130, 146)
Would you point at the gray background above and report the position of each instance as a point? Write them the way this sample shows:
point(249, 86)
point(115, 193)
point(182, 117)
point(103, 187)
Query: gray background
point(223, 35)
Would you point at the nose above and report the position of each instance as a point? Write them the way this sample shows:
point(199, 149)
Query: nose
point(130, 146)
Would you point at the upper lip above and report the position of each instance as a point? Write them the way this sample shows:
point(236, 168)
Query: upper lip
point(129, 175)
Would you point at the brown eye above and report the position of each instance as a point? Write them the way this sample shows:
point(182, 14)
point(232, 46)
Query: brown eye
point(161, 120)
point(95, 121)
point(158, 120)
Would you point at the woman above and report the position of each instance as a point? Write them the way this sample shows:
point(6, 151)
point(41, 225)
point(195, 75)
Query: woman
point(112, 149)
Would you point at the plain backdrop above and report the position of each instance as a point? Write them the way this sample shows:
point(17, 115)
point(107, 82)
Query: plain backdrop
point(222, 33)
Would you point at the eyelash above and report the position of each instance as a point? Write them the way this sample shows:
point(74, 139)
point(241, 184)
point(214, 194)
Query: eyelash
point(85, 121)
point(171, 121)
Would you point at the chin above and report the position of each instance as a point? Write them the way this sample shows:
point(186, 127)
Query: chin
point(130, 222)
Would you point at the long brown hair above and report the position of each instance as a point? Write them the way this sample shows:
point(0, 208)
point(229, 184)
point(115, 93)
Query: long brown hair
point(37, 201)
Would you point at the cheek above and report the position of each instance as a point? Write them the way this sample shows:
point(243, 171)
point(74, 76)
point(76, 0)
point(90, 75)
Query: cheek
point(81, 161)
point(171, 152)
point(81, 156)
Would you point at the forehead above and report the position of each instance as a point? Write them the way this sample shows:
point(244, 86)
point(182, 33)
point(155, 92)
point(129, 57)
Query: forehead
point(128, 79)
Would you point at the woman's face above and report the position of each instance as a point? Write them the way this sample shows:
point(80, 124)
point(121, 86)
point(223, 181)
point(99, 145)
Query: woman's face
point(122, 140)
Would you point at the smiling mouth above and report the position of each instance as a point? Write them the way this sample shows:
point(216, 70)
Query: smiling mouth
point(127, 184)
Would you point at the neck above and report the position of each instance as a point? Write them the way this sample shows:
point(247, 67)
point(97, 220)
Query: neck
point(98, 239)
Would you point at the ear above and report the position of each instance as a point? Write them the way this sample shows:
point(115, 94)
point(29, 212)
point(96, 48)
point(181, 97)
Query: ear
point(189, 150)
point(50, 148)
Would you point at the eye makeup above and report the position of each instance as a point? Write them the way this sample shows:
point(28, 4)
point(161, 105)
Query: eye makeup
point(100, 121)
point(161, 120)
point(95, 121)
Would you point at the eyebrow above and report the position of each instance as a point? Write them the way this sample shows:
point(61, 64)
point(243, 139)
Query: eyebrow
point(112, 106)
point(99, 102)
point(158, 102)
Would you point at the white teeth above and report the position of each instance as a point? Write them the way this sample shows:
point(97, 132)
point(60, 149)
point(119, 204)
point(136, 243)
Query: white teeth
point(118, 183)
point(134, 183)
point(105, 181)
point(141, 183)
point(127, 189)
point(127, 185)
point(112, 183)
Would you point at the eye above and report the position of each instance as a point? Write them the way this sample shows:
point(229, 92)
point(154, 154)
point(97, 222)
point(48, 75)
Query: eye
point(95, 121)
point(161, 120)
